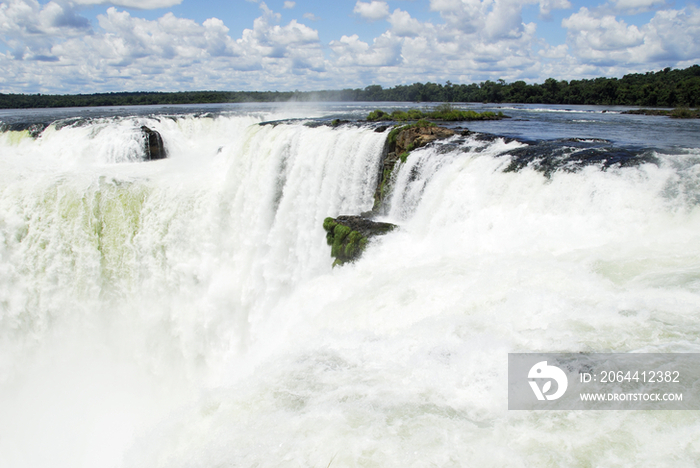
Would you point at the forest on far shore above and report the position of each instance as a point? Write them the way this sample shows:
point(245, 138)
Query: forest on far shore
point(665, 88)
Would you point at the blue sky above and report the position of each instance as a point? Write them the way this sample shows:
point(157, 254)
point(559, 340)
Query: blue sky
point(81, 46)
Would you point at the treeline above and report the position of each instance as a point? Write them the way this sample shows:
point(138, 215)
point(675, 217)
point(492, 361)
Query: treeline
point(665, 88)
point(23, 101)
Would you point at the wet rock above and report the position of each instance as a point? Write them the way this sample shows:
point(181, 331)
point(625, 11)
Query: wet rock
point(573, 154)
point(154, 148)
point(33, 128)
point(348, 236)
point(410, 138)
point(400, 142)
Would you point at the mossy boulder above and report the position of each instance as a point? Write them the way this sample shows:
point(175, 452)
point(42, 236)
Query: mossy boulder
point(348, 236)
point(411, 137)
point(400, 142)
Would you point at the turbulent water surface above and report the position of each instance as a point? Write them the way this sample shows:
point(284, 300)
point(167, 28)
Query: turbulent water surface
point(184, 312)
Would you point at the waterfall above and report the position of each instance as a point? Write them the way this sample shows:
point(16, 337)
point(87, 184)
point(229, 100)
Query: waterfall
point(163, 267)
point(184, 312)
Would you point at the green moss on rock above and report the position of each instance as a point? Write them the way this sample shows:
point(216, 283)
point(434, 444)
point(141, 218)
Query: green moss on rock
point(399, 144)
point(348, 236)
point(444, 112)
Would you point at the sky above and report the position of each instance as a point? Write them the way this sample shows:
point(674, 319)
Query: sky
point(88, 46)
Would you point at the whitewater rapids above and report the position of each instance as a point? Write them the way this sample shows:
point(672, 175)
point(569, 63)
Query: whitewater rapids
point(184, 312)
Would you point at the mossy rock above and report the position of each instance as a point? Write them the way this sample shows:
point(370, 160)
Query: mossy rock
point(348, 236)
point(399, 144)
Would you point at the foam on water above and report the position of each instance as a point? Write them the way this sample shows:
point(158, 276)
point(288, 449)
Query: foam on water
point(184, 312)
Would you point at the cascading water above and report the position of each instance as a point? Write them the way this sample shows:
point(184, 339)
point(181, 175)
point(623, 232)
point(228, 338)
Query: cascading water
point(169, 265)
point(184, 312)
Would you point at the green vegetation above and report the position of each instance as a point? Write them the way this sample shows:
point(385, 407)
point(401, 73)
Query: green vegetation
point(647, 112)
point(348, 235)
point(665, 88)
point(21, 101)
point(444, 112)
point(677, 113)
point(401, 116)
point(346, 244)
point(684, 113)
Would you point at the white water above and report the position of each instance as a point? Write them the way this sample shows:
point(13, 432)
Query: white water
point(183, 313)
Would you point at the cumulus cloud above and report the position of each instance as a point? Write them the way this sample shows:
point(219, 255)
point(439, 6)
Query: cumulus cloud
point(372, 11)
point(671, 36)
point(29, 30)
point(547, 6)
point(288, 5)
point(136, 4)
point(478, 40)
point(51, 48)
point(637, 6)
point(27, 17)
point(589, 32)
point(466, 16)
point(311, 17)
point(351, 51)
point(403, 25)
point(128, 52)
point(558, 52)
point(497, 18)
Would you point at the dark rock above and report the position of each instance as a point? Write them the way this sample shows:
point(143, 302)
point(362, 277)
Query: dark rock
point(662, 112)
point(153, 144)
point(573, 154)
point(33, 128)
point(348, 236)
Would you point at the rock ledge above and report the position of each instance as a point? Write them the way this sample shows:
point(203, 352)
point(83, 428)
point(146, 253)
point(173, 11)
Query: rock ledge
point(348, 236)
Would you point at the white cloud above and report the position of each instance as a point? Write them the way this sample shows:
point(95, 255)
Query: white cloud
point(29, 30)
point(352, 52)
point(671, 36)
point(546, 6)
point(311, 17)
point(136, 4)
point(637, 6)
point(51, 48)
point(403, 25)
point(372, 11)
point(288, 5)
point(131, 53)
point(559, 52)
point(28, 17)
point(466, 15)
point(504, 20)
point(587, 31)
point(479, 40)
